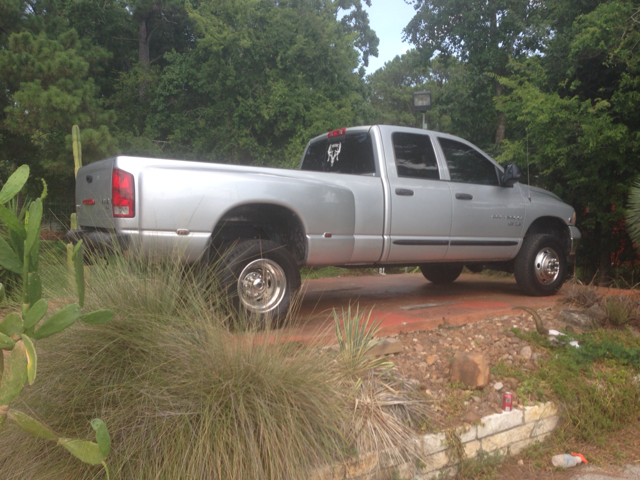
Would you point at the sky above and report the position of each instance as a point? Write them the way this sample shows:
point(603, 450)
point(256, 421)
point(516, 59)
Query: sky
point(388, 18)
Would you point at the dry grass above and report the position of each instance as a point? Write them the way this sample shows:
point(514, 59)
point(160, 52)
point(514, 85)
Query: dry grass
point(185, 397)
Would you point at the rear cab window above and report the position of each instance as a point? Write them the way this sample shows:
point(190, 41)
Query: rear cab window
point(414, 156)
point(349, 153)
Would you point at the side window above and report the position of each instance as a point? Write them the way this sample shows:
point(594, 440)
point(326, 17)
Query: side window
point(467, 165)
point(415, 157)
point(351, 153)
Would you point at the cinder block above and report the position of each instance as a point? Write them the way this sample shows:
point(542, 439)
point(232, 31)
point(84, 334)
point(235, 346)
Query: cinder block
point(329, 472)
point(434, 443)
point(517, 447)
point(506, 438)
point(545, 425)
point(434, 462)
point(499, 422)
point(471, 448)
point(468, 433)
point(361, 465)
point(536, 412)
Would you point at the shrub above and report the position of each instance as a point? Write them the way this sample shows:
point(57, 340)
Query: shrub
point(183, 396)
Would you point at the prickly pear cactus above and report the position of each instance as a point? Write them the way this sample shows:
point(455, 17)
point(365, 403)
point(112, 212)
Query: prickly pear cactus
point(19, 332)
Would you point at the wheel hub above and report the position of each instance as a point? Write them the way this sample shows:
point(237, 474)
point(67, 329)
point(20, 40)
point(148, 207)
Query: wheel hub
point(261, 285)
point(547, 266)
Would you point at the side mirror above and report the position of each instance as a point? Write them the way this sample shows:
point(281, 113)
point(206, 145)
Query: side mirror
point(511, 175)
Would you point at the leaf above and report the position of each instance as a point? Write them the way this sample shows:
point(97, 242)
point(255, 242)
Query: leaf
point(35, 313)
point(33, 229)
point(14, 184)
point(32, 359)
point(78, 263)
point(58, 321)
point(102, 436)
point(3, 293)
point(87, 452)
point(12, 325)
point(12, 222)
point(98, 317)
point(8, 258)
point(6, 342)
point(35, 288)
point(14, 375)
point(31, 425)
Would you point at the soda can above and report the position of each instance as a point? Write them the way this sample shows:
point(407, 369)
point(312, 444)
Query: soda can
point(507, 401)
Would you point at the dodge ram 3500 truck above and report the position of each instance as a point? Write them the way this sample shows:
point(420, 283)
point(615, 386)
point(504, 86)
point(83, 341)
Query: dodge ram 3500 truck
point(368, 196)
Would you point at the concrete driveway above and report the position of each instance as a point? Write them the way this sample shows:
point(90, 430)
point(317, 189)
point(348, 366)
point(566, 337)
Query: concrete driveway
point(408, 302)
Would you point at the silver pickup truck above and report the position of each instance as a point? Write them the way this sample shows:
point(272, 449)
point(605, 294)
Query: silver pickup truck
point(368, 196)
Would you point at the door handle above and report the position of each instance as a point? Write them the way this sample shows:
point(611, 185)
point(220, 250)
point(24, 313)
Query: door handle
point(404, 191)
point(464, 196)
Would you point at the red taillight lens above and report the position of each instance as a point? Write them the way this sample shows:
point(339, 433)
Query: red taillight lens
point(123, 194)
point(337, 133)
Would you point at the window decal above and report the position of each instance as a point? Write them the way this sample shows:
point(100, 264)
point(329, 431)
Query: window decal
point(333, 152)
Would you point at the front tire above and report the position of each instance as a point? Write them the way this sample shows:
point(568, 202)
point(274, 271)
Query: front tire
point(261, 279)
point(541, 265)
point(441, 274)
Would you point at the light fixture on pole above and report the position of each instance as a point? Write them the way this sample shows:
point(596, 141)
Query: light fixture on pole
point(422, 103)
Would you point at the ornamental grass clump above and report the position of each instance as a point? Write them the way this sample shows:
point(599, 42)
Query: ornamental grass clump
point(183, 396)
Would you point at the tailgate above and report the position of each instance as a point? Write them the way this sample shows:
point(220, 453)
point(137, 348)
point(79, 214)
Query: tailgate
point(94, 184)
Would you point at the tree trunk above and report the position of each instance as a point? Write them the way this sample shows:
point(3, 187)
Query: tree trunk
point(502, 118)
point(143, 55)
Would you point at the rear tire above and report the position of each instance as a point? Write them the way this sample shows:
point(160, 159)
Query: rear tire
point(541, 265)
point(441, 274)
point(261, 279)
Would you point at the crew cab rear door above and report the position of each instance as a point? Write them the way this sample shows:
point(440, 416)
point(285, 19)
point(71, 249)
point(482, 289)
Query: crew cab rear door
point(420, 203)
point(487, 217)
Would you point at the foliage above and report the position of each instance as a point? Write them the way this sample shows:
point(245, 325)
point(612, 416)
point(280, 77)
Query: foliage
point(355, 333)
point(18, 333)
point(633, 212)
point(594, 383)
point(183, 396)
point(575, 120)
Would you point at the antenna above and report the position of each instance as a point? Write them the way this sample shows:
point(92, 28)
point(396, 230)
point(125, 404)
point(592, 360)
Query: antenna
point(528, 181)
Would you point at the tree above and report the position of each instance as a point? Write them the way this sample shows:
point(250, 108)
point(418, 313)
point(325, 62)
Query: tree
point(47, 88)
point(583, 133)
point(484, 35)
point(262, 79)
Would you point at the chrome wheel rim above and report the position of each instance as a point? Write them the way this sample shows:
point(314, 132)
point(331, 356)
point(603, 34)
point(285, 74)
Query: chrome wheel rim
point(261, 285)
point(547, 266)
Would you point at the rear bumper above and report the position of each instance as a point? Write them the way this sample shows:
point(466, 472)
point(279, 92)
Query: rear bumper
point(574, 239)
point(99, 242)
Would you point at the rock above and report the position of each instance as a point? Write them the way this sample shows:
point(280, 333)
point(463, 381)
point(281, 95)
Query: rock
point(510, 334)
point(472, 369)
point(386, 347)
point(419, 348)
point(471, 417)
point(476, 398)
point(526, 353)
point(520, 462)
point(498, 386)
point(431, 359)
point(577, 319)
point(596, 312)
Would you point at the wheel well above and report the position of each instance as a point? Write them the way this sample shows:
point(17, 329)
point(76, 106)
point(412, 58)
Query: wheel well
point(552, 226)
point(262, 221)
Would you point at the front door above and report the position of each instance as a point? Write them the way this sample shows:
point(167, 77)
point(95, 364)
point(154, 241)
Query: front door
point(487, 217)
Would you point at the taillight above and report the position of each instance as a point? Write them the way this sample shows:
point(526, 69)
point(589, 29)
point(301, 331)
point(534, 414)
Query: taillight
point(123, 194)
point(337, 133)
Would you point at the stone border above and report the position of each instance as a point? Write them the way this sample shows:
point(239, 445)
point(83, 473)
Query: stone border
point(507, 433)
